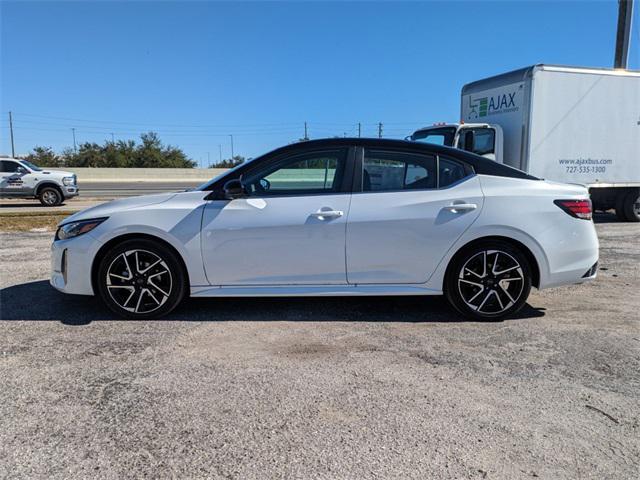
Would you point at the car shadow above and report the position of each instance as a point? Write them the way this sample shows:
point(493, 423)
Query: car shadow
point(39, 301)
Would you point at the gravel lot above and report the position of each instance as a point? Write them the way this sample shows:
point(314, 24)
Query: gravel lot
point(321, 388)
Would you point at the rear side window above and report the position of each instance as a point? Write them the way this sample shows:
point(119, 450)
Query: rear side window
point(449, 172)
point(391, 171)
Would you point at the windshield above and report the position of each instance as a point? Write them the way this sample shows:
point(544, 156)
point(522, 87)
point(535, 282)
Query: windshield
point(437, 136)
point(31, 166)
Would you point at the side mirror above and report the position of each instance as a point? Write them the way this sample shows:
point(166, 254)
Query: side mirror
point(469, 141)
point(22, 171)
point(234, 189)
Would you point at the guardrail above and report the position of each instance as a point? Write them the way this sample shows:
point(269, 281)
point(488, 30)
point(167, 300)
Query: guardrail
point(187, 175)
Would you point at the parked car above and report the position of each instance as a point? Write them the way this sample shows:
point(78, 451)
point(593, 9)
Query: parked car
point(23, 179)
point(336, 217)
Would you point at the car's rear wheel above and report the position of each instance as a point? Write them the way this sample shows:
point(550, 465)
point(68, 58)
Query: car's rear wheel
point(50, 196)
point(488, 281)
point(141, 279)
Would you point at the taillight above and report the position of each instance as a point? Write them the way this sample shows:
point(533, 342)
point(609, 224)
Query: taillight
point(576, 208)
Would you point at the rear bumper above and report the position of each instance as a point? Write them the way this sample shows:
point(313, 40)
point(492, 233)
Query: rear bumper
point(572, 254)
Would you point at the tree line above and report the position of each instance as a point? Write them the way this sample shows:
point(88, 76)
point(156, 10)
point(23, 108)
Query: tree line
point(150, 152)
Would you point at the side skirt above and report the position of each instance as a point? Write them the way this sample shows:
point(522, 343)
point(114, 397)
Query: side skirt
point(311, 290)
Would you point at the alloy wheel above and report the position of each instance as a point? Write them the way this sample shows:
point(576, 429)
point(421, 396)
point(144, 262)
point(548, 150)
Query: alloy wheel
point(490, 282)
point(139, 281)
point(49, 197)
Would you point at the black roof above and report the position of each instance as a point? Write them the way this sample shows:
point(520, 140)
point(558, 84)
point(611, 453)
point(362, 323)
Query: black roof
point(480, 165)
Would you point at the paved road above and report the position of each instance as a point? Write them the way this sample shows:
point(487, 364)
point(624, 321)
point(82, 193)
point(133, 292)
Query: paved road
point(325, 388)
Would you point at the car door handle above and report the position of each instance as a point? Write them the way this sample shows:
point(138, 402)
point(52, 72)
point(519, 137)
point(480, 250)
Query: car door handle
point(322, 214)
point(460, 207)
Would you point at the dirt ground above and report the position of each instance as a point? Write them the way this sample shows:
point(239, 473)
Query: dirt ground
point(321, 388)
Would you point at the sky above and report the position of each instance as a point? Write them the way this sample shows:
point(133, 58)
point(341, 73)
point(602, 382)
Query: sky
point(198, 72)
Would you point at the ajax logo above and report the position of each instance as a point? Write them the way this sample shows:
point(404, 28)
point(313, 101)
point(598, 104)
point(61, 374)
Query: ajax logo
point(484, 106)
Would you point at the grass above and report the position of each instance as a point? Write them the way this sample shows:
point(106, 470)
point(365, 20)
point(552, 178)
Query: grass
point(33, 221)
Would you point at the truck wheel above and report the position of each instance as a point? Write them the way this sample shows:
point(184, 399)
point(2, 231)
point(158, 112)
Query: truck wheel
point(620, 214)
point(50, 197)
point(631, 206)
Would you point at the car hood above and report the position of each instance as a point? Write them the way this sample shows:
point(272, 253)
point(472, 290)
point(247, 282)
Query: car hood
point(55, 173)
point(108, 208)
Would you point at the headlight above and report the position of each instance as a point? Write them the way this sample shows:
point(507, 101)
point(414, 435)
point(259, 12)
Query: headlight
point(69, 180)
point(73, 229)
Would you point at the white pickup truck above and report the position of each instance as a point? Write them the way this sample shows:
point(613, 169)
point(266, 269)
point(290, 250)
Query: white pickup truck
point(568, 124)
point(22, 179)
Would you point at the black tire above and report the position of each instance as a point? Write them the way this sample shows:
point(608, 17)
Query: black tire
point(50, 197)
point(631, 206)
point(619, 207)
point(148, 271)
point(488, 287)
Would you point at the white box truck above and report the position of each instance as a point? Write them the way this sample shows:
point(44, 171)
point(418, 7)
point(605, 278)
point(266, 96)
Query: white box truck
point(568, 124)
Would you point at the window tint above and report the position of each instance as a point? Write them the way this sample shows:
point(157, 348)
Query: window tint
point(319, 172)
point(9, 167)
point(450, 172)
point(387, 171)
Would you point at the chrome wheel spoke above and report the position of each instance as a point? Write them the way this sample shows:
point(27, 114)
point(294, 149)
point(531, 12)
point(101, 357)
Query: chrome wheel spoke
point(486, 297)
point(166, 294)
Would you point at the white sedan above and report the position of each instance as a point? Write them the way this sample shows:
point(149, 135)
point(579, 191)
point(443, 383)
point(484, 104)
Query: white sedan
point(336, 217)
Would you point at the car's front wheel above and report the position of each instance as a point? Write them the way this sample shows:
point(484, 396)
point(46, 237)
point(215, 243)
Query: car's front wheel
point(141, 279)
point(488, 281)
point(50, 197)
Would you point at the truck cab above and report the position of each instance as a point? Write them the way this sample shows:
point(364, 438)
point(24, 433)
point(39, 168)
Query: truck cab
point(22, 179)
point(479, 138)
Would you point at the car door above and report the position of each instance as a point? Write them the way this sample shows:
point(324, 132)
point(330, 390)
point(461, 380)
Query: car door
point(410, 210)
point(289, 229)
point(13, 178)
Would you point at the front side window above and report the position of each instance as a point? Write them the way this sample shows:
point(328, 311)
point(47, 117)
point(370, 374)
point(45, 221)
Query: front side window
point(303, 174)
point(9, 167)
point(392, 171)
point(480, 141)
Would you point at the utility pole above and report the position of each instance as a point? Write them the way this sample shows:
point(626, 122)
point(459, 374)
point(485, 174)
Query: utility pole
point(75, 149)
point(306, 137)
point(231, 136)
point(220, 151)
point(13, 148)
point(623, 34)
point(112, 139)
point(359, 129)
point(380, 130)
point(208, 160)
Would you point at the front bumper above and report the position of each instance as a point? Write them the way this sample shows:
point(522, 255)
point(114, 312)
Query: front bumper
point(71, 263)
point(70, 191)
